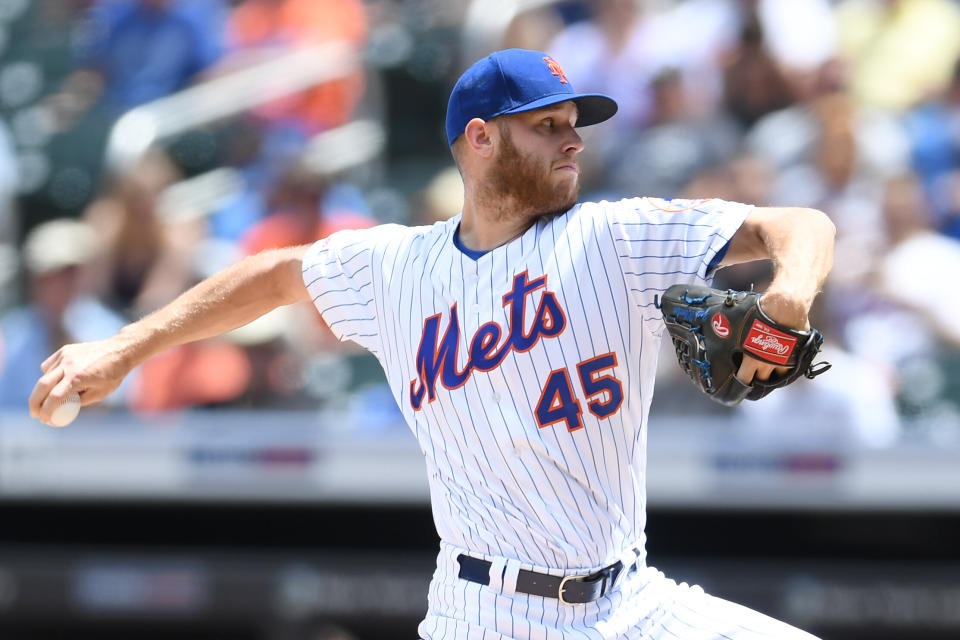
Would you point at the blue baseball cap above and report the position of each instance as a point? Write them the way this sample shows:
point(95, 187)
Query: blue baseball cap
point(517, 80)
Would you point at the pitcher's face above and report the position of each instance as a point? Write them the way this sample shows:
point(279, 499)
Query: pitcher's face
point(536, 166)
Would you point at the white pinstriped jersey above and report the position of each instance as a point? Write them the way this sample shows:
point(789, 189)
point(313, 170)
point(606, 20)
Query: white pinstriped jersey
point(526, 375)
point(564, 495)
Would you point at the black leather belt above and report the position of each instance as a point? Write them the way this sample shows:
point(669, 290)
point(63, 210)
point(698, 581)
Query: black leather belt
point(568, 589)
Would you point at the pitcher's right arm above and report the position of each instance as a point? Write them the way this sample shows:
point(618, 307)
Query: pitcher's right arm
point(229, 299)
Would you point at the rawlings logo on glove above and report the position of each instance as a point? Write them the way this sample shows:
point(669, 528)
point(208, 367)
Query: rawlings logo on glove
point(720, 326)
point(767, 341)
point(737, 325)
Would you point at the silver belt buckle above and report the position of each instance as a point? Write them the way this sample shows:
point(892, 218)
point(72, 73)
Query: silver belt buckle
point(563, 587)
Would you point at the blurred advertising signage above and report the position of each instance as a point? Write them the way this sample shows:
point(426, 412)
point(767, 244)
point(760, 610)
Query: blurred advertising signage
point(794, 463)
point(140, 587)
point(266, 457)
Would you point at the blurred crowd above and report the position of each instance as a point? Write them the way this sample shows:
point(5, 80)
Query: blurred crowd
point(92, 242)
point(849, 106)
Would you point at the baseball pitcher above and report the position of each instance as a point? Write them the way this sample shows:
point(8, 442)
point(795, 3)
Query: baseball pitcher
point(520, 340)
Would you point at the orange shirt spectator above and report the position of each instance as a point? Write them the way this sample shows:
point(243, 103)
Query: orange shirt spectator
point(291, 24)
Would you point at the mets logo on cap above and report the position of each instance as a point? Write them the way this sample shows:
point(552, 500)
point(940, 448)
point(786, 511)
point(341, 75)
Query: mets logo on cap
point(555, 68)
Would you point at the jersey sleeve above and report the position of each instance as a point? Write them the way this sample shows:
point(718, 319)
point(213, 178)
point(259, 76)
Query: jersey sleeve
point(338, 274)
point(664, 242)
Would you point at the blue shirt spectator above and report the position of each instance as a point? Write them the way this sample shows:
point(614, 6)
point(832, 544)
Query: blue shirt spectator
point(55, 255)
point(147, 49)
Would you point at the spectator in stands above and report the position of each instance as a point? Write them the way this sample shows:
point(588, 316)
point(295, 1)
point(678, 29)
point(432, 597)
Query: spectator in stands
point(145, 260)
point(297, 214)
point(59, 308)
point(629, 50)
point(913, 266)
point(679, 142)
point(208, 373)
point(900, 51)
point(800, 38)
point(934, 129)
point(754, 83)
point(136, 51)
point(904, 276)
point(613, 53)
point(258, 29)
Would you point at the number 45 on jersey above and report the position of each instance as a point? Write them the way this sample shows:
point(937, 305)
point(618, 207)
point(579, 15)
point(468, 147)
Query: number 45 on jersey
point(602, 392)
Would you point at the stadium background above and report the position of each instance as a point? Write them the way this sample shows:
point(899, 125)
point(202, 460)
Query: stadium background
point(262, 486)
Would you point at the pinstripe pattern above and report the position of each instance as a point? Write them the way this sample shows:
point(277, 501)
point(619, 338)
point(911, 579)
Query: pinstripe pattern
point(503, 487)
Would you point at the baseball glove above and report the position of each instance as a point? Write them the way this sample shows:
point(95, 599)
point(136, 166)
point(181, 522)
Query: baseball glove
point(711, 331)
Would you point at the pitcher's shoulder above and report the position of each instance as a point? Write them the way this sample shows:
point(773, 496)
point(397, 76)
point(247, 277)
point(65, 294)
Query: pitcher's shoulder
point(393, 234)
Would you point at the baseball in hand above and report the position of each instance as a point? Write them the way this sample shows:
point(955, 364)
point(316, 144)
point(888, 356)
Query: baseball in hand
point(66, 412)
